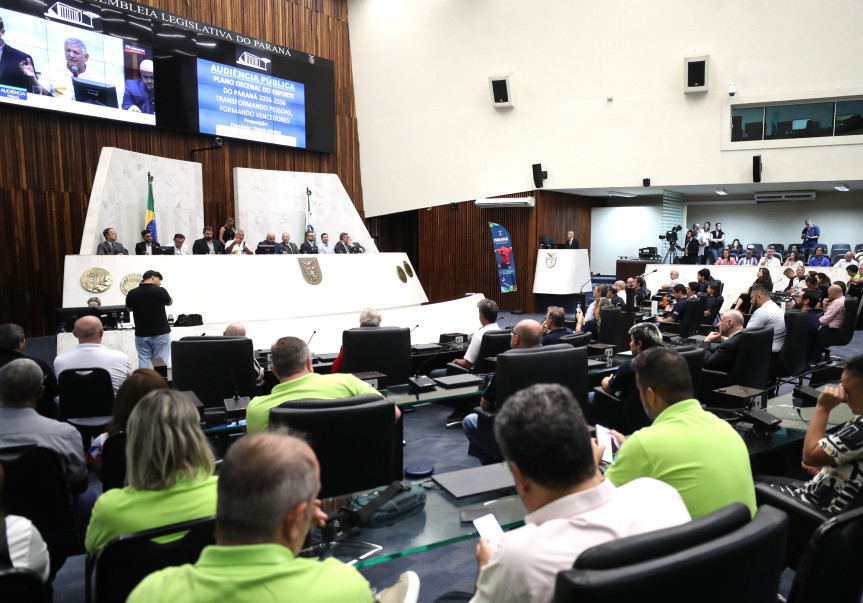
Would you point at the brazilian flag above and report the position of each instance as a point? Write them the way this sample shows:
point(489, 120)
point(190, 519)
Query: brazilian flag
point(151, 210)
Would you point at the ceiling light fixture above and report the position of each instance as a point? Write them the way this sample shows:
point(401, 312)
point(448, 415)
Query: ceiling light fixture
point(621, 194)
point(721, 191)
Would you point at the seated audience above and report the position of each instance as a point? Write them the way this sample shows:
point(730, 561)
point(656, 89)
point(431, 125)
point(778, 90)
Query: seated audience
point(723, 357)
point(693, 450)
point(853, 273)
point(140, 383)
point(621, 290)
point(208, 245)
point(748, 259)
point(267, 494)
point(726, 259)
point(770, 258)
point(621, 384)
point(170, 472)
point(20, 425)
point(846, 261)
point(712, 299)
point(614, 298)
point(554, 326)
point(571, 507)
point(674, 313)
point(237, 329)
point(834, 459)
point(24, 544)
point(90, 353)
point(834, 307)
point(526, 334)
point(12, 342)
point(736, 247)
point(799, 279)
point(582, 325)
point(599, 291)
point(767, 314)
point(692, 290)
point(675, 279)
point(744, 301)
point(789, 274)
point(641, 292)
point(818, 259)
point(488, 320)
point(292, 366)
point(806, 301)
point(369, 317)
point(702, 278)
point(793, 260)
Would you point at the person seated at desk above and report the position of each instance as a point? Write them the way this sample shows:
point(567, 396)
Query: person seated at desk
point(286, 247)
point(767, 314)
point(525, 335)
point(641, 292)
point(308, 245)
point(91, 353)
point(12, 343)
point(744, 300)
point(146, 247)
point(488, 319)
point(139, 95)
point(554, 326)
point(268, 488)
point(170, 472)
point(835, 459)
point(292, 366)
point(270, 241)
point(208, 245)
point(180, 247)
point(237, 329)
point(237, 245)
point(834, 307)
point(686, 447)
point(723, 357)
point(599, 291)
point(674, 313)
point(702, 278)
point(369, 317)
point(712, 298)
point(571, 507)
point(675, 279)
point(806, 301)
point(853, 273)
point(591, 326)
point(789, 274)
point(692, 290)
point(110, 246)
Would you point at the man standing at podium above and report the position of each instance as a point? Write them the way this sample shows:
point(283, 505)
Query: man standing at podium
point(571, 241)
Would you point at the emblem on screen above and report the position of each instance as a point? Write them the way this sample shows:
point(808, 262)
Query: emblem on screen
point(311, 270)
point(551, 260)
point(70, 14)
point(247, 59)
point(311, 59)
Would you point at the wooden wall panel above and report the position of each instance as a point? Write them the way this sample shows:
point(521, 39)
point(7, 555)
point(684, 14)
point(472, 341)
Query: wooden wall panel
point(397, 232)
point(48, 161)
point(558, 213)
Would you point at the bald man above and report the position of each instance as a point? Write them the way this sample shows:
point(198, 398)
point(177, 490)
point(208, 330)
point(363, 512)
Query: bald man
point(834, 307)
point(140, 95)
point(90, 353)
point(237, 329)
point(526, 334)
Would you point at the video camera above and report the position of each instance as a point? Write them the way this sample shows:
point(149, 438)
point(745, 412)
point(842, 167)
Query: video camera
point(671, 235)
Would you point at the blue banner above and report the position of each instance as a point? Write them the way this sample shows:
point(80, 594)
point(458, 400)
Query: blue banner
point(504, 257)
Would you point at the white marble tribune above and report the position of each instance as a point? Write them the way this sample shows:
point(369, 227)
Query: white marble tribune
point(562, 271)
point(268, 200)
point(119, 199)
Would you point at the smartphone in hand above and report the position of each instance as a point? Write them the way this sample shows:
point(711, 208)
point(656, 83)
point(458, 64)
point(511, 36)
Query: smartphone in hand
point(604, 438)
point(488, 527)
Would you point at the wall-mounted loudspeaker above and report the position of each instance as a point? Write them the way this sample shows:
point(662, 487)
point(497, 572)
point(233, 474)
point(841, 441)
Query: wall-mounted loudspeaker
point(646, 182)
point(696, 74)
point(538, 175)
point(756, 168)
point(501, 90)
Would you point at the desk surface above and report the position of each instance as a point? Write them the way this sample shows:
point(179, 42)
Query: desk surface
point(798, 418)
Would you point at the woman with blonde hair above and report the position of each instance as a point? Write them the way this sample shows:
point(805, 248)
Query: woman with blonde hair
point(169, 471)
point(591, 326)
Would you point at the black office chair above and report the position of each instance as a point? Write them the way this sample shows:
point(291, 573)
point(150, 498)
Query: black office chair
point(128, 559)
point(517, 369)
point(610, 326)
point(751, 367)
point(712, 559)
point(36, 488)
point(713, 305)
point(576, 340)
point(840, 248)
point(86, 397)
point(625, 414)
point(844, 333)
point(114, 461)
point(792, 359)
point(21, 585)
point(357, 440)
point(214, 367)
point(858, 248)
point(688, 325)
point(492, 344)
point(383, 349)
point(779, 247)
point(759, 249)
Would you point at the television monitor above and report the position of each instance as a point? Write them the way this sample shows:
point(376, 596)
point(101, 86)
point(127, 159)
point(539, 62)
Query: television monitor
point(111, 316)
point(94, 93)
point(166, 249)
point(265, 250)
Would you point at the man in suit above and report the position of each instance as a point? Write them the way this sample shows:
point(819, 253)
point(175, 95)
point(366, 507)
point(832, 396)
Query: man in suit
point(286, 246)
point(270, 240)
point(309, 245)
point(344, 244)
point(110, 246)
point(140, 96)
point(571, 241)
point(723, 357)
point(11, 60)
point(208, 245)
point(146, 247)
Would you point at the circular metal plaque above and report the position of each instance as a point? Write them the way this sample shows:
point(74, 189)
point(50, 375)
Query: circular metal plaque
point(408, 269)
point(402, 276)
point(130, 281)
point(96, 280)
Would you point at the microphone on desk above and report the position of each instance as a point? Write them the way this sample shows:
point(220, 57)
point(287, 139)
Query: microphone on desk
point(415, 328)
point(314, 356)
point(581, 289)
point(651, 272)
point(236, 387)
point(311, 337)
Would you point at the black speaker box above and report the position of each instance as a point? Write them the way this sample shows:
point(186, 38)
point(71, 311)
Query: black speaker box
point(538, 175)
point(756, 168)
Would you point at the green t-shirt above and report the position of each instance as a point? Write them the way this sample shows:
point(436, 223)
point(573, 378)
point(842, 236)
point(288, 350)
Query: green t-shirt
point(308, 387)
point(694, 451)
point(126, 510)
point(256, 573)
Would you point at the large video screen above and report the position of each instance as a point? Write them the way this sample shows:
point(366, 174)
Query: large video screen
point(129, 62)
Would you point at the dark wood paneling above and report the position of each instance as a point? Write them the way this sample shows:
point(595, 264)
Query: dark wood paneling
point(48, 161)
point(558, 213)
point(397, 232)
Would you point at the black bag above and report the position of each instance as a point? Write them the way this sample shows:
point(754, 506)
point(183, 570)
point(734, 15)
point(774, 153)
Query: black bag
point(385, 507)
point(189, 320)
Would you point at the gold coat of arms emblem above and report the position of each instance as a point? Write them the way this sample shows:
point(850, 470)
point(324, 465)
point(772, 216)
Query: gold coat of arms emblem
point(96, 280)
point(311, 270)
point(551, 260)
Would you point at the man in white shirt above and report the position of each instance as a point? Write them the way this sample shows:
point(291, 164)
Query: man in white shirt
point(675, 280)
point(846, 261)
point(488, 320)
point(180, 247)
point(703, 241)
point(58, 79)
point(324, 246)
point(599, 291)
point(571, 506)
point(767, 314)
point(90, 353)
point(769, 258)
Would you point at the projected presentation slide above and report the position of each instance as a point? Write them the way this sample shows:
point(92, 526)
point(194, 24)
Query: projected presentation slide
point(52, 64)
point(254, 106)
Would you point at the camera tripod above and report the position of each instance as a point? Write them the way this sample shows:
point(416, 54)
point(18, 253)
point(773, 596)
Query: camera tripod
point(671, 254)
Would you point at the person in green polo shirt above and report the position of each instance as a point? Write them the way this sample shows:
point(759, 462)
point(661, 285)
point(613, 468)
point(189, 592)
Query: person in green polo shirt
point(268, 486)
point(292, 365)
point(686, 447)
